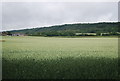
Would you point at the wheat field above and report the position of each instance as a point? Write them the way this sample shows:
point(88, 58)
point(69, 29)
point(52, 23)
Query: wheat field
point(28, 57)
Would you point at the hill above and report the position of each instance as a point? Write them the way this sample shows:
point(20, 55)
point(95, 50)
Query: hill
point(110, 28)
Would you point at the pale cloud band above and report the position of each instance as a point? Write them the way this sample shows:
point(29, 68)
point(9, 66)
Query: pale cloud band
point(20, 15)
point(60, 0)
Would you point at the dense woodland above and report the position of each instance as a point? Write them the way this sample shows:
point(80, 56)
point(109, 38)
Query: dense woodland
point(110, 28)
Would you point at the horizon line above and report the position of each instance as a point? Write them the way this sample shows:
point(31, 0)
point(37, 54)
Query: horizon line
point(58, 25)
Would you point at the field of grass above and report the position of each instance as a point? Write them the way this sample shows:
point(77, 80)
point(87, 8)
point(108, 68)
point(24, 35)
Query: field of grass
point(59, 58)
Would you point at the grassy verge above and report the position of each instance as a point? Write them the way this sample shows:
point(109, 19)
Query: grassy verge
point(80, 36)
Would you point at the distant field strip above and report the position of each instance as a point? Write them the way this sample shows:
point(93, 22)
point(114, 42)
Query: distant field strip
point(59, 58)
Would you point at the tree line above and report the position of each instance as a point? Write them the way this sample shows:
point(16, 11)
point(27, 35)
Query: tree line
point(111, 28)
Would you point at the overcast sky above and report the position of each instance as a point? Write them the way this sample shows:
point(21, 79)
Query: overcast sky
point(21, 15)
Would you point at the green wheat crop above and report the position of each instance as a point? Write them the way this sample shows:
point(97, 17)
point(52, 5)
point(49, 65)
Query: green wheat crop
point(59, 58)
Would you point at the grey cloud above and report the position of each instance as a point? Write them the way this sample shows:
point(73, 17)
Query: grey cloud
point(33, 14)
